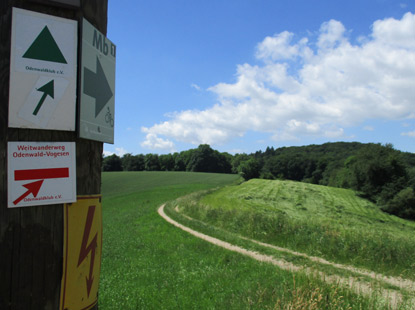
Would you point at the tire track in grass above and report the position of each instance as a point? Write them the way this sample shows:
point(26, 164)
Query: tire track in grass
point(392, 296)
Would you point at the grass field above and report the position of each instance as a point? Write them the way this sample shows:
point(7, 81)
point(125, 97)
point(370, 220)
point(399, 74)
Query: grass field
point(149, 264)
point(322, 221)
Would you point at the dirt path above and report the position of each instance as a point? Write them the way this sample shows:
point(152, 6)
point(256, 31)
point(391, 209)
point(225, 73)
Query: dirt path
point(353, 283)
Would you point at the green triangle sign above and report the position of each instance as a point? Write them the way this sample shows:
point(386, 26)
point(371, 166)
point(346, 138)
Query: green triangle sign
point(44, 47)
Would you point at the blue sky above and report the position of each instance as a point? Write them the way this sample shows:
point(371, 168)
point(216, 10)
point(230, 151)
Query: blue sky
point(242, 75)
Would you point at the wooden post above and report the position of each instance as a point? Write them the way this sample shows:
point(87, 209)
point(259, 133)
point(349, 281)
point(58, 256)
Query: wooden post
point(31, 238)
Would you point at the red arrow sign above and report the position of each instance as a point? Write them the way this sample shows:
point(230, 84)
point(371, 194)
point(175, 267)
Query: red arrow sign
point(36, 174)
point(32, 188)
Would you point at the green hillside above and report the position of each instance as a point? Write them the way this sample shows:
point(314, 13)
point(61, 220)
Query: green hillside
point(324, 221)
point(378, 172)
point(147, 263)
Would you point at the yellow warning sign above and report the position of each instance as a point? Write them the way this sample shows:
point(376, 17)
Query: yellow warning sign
point(82, 253)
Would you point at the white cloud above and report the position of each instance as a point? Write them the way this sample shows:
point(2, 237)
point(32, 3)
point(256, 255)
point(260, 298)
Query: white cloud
point(277, 47)
point(119, 151)
point(368, 128)
point(108, 153)
point(154, 142)
point(409, 134)
point(331, 34)
point(298, 91)
point(195, 86)
point(398, 33)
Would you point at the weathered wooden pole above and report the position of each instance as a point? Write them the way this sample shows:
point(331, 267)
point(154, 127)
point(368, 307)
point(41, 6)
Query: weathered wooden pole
point(31, 238)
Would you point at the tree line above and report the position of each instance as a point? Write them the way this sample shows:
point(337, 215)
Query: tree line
point(201, 159)
point(377, 172)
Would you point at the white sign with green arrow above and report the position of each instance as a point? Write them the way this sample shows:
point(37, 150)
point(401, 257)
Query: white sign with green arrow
point(43, 71)
point(97, 86)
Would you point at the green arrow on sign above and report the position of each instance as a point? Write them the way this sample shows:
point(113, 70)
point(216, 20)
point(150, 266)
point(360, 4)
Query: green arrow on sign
point(47, 89)
point(96, 85)
point(44, 47)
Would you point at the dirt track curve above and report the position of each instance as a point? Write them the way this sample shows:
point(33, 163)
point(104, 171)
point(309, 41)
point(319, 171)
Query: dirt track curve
point(358, 286)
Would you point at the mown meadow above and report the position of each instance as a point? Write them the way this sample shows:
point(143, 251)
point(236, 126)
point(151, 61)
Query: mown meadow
point(322, 221)
point(149, 264)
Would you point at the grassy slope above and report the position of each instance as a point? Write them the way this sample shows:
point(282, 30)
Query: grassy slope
point(144, 259)
point(124, 183)
point(318, 220)
point(149, 264)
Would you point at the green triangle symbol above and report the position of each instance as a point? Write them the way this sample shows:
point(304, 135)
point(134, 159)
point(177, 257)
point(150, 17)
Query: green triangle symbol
point(44, 47)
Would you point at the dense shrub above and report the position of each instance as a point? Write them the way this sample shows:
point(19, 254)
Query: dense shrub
point(249, 169)
point(111, 163)
point(403, 204)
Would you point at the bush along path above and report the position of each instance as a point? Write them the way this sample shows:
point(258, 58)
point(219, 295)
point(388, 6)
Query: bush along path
point(392, 289)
